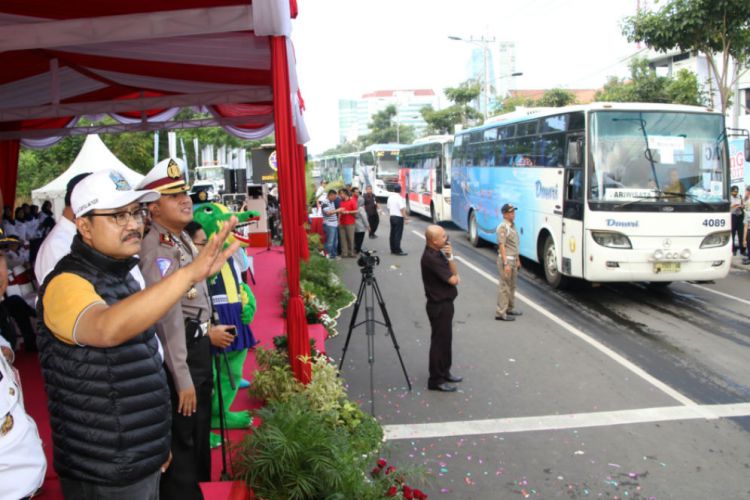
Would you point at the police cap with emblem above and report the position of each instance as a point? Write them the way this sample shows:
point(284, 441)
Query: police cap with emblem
point(166, 177)
point(200, 196)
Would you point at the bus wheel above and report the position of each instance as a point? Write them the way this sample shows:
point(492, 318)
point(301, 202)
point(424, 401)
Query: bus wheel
point(551, 272)
point(433, 215)
point(473, 231)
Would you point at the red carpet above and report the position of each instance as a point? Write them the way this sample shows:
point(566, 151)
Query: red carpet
point(268, 323)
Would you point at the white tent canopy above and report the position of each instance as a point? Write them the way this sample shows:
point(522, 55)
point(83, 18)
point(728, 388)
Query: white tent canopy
point(93, 157)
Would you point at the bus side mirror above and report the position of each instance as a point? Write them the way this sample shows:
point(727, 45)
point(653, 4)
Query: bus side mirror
point(747, 148)
point(574, 154)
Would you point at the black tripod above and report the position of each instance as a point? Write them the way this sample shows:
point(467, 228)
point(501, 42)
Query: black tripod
point(369, 290)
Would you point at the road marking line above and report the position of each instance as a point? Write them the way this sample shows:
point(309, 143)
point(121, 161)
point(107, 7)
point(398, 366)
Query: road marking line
point(569, 421)
point(746, 302)
point(674, 394)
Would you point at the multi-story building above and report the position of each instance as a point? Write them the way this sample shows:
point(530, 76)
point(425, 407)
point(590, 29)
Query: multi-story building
point(356, 114)
point(670, 62)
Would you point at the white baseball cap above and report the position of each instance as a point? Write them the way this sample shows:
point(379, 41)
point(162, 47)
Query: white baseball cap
point(106, 190)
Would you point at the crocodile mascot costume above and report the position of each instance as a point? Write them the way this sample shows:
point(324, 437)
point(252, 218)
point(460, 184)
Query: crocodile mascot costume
point(234, 303)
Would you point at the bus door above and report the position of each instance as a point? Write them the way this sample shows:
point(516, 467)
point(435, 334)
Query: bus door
point(572, 210)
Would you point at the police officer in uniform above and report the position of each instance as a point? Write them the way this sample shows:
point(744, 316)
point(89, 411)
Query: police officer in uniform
point(185, 332)
point(508, 263)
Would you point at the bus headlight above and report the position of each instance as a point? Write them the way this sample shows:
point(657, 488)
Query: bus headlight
point(715, 240)
point(611, 239)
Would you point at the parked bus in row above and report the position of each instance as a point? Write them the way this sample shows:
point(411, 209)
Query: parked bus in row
point(376, 166)
point(605, 192)
point(425, 177)
point(379, 168)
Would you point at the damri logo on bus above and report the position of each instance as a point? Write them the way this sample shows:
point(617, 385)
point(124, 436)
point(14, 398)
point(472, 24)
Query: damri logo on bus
point(621, 223)
point(546, 193)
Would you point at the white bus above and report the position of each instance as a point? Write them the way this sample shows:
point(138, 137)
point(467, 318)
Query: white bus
point(425, 177)
point(378, 166)
point(606, 192)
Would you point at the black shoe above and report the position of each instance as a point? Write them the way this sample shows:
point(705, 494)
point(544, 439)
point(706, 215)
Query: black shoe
point(444, 387)
point(401, 254)
point(505, 318)
point(515, 313)
point(454, 379)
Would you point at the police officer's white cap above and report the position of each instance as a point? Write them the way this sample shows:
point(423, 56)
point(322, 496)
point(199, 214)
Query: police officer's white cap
point(167, 177)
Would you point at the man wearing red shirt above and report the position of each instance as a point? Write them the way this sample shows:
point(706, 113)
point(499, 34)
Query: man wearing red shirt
point(346, 223)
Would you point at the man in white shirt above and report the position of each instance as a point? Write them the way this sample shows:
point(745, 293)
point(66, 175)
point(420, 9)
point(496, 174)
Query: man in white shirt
point(57, 243)
point(321, 191)
point(397, 211)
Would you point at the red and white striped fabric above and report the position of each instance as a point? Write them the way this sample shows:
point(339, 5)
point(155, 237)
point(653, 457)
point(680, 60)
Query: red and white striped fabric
point(139, 60)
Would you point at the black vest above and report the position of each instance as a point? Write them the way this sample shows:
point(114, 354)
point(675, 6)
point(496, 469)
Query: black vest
point(109, 407)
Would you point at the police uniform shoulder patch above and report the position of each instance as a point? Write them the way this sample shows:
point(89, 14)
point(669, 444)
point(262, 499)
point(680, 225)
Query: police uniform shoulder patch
point(163, 264)
point(166, 239)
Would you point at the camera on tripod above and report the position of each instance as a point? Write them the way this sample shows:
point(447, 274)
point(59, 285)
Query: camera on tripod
point(368, 259)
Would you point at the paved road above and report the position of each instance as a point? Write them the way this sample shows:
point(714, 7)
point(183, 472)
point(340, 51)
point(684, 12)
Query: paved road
point(617, 391)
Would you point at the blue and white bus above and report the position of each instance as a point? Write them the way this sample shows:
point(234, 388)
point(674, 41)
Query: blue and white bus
point(606, 192)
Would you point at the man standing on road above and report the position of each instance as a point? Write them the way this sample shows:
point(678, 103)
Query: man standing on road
point(371, 208)
point(108, 394)
point(347, 221)
point(397, 211)
point(508, 263)
point(440, 278)
point(737, 222)
point(330, 224)
point(184, 331)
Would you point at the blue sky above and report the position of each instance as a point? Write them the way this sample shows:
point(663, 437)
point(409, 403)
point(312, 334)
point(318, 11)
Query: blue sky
point(348, 47)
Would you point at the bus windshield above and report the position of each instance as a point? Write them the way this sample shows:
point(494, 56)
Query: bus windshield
point(652, 157)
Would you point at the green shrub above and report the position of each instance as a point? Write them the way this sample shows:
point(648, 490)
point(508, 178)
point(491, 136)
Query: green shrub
point(296, 454)
point(313, 443)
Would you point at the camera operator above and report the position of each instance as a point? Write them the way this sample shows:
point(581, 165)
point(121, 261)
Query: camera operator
point(440, 279)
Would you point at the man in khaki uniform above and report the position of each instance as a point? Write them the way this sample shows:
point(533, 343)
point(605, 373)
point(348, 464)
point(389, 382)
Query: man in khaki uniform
point(185, 332)
point(508, 263)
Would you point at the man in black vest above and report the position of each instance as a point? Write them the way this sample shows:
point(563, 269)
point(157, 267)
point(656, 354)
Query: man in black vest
point(108, 396)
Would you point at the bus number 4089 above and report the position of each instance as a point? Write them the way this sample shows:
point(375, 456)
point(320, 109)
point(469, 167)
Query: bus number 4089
point(714, 222)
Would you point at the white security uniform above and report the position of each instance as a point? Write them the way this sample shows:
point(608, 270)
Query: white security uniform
point(22, 460)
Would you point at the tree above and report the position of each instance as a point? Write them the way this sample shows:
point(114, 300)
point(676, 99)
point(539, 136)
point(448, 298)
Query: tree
point(556, 98)
point(384, 129)
point(461, 112)
point(715, 28)
point(344, 148)
point(510, 103)
point(644, 85)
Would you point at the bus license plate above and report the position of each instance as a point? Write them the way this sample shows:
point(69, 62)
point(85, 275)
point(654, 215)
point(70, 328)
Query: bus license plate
point(666, 267)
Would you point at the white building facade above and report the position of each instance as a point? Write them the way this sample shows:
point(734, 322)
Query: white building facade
point(356, 114)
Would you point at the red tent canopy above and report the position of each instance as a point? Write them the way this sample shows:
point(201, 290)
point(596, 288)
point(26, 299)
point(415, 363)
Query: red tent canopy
point(140, 62)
